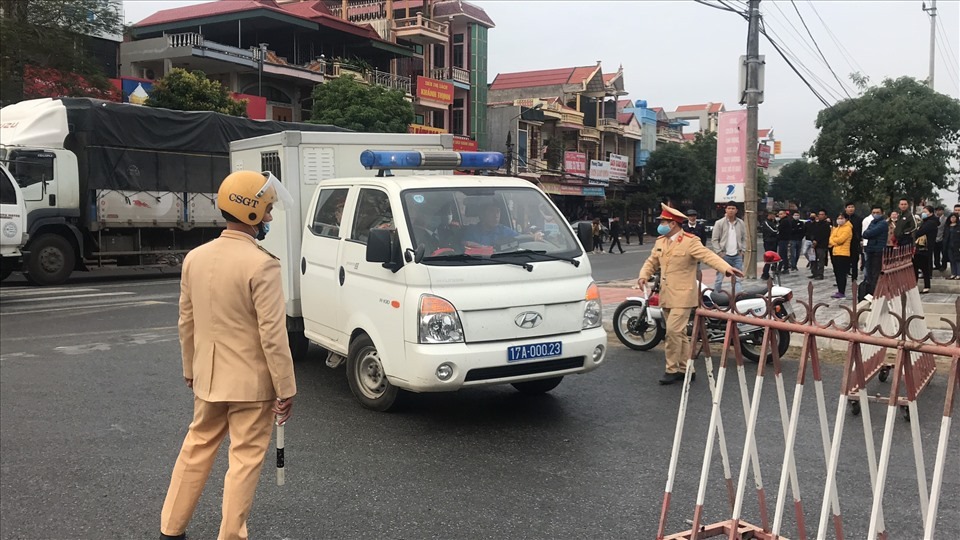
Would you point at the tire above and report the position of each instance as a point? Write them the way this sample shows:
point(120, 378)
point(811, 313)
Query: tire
point(51, 260)
point(537, 387)
point(299, 344)
point(751, 349)
point(367, 380)
point(625, 321)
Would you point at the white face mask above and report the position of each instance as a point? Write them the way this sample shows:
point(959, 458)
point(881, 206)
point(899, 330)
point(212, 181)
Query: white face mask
point(841, 221)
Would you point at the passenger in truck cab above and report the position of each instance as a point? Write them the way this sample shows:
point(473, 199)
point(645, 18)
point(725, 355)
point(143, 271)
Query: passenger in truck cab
point(489, 231)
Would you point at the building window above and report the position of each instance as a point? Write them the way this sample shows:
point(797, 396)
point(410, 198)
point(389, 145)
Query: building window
point(418, 119)
point(270, 161)
point(439, 56)
point(457, 123)
point(534, 142)
point(438, 119)
point(458, 50)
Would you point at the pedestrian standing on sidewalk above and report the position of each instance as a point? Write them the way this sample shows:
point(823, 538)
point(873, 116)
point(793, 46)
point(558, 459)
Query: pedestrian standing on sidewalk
point(876, 235)
point(925, 239)
point(939, 259)
point(770, 232)
point(819, 234)
point(615, 234)
point(841, 241)
point(799, 241)
point(850, 211)
point(627, 230)
point(675, 256)
point(785, 240)
point(236, 356)
point(692, 226)
point(906, 224)
point(597, 231)
point(729, 241)
point(951, 244)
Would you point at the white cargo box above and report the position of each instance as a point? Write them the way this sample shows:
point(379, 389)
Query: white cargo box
point(202, 211)
point(139, 208)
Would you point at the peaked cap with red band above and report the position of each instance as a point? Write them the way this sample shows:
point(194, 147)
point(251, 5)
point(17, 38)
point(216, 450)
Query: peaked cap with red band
point(672, 214)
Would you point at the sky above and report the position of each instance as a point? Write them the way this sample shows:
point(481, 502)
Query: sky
point(680, 52)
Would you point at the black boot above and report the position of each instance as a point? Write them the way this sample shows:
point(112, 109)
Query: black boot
point(182, 536)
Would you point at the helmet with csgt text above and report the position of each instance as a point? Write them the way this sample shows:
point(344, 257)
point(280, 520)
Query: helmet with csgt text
point(245, 195)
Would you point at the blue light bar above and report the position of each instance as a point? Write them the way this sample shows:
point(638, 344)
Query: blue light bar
point(438, 160)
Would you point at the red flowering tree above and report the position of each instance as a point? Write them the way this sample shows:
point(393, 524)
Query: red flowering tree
point(39, 82)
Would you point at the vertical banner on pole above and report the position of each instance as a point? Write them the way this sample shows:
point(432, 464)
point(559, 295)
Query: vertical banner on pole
point(731, 157)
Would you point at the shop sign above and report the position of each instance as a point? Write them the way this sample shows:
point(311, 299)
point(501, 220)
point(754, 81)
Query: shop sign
point(618, 167)
point(434, 90)
point(575, 163)
point(599, 172)
point(417, 128)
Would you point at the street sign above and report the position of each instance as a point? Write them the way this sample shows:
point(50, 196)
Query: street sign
point(777, 148)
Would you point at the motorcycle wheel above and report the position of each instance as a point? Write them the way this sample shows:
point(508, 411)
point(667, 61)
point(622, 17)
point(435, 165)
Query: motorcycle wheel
point(631, 331)
point(750, 345)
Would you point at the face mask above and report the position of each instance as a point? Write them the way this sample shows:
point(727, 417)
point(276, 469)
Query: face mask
point(924, 215)
point(262, 230)
point(841, 221)
point(663, 229)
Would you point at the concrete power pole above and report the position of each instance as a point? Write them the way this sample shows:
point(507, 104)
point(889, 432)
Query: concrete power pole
point(932, 11)
point(753, 101)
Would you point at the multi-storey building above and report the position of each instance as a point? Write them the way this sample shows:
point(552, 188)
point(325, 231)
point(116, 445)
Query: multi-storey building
point(433, 51)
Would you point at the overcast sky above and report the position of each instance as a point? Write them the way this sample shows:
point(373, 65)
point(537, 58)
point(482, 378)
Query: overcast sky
point(681, 52)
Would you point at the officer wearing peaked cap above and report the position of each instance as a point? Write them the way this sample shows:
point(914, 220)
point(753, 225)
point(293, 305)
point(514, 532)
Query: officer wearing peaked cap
point(236, 356)
point(675, 254)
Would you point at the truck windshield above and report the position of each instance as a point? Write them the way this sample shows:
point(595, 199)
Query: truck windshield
point(30, 167)
point(482, 222)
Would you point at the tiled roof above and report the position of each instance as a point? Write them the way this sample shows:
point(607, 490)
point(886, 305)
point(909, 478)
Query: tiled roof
point(543, 77)
point(709, 107)
point(762, 134)
point(624, 118)
point(455, 7)
point(716, 107)
point(656, 109)
point(689, 136)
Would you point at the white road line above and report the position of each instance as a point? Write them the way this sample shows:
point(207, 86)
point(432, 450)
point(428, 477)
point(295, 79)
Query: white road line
point(38, 292)
point(99, 307)
point(69, 297)
point(87, 334)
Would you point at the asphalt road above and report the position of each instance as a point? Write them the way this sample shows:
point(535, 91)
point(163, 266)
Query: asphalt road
point(94, 411)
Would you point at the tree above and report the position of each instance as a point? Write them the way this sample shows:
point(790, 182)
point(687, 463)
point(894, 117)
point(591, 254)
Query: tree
point(349, 103)
point(46, 49)
point(685, 172)
point(193, 91)
point(896, 139)
point(806, 185)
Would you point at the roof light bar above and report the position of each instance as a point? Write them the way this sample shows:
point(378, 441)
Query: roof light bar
point(440, 160)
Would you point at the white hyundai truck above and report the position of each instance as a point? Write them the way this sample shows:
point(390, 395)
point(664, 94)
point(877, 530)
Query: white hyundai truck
point(428, 282)
point(13, 218)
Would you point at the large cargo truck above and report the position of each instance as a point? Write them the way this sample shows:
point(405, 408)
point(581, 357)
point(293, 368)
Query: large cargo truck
point(112, 184)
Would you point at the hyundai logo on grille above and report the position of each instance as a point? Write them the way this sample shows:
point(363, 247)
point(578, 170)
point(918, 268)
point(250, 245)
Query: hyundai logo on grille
point(528, 319)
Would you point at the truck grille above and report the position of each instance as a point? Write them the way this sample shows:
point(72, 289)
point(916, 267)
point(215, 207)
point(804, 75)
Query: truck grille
point(516, 370)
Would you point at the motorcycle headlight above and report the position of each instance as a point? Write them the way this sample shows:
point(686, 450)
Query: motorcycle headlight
point(592, 308)
point(438, 321)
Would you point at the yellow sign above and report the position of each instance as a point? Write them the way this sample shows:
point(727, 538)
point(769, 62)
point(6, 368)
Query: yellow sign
point(776, 148)
point(417, 128)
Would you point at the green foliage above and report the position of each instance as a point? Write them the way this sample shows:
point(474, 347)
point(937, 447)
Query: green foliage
point(896, 139)
point(685, 172)
point(351, 104)
point(53, 34)
point(806, 185)
point(192, 91)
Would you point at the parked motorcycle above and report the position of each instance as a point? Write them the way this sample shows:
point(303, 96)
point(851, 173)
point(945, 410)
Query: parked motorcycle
point(639, 322)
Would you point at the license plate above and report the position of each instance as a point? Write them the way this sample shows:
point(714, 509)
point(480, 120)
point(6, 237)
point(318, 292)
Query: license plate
point(520, 353)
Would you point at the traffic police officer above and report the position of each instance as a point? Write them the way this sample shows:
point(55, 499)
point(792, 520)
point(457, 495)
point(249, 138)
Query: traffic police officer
point(675, 254)
point(235, 353)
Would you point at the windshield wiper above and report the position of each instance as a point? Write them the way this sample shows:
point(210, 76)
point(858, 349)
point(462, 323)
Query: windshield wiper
point(541, 253)
point(465, 257)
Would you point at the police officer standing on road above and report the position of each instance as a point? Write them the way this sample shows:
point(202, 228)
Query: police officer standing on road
point(675, 255)
point(236, 356)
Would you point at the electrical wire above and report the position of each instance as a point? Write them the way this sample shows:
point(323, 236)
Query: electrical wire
point(847, 57)
point(947, 54)
point(714, 6)
point(826, 88)
point(815, 44)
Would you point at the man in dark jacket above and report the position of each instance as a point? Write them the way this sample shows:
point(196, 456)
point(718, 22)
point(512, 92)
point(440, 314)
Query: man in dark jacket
point(770, 232)
point(876, 236)
point(796, 239)
point(818, 232)
point(615, 232)
point(926, 237)
point(906, 224)
point(850, 210)
point(692, 227)
point(784, 239)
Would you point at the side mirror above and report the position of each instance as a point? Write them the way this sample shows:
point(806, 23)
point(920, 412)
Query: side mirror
point(383, 246)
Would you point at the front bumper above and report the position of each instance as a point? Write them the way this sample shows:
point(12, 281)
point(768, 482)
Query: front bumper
point(476, 364)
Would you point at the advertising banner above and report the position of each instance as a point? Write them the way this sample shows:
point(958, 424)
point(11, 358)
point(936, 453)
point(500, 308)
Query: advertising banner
point(594, 192)
point(434, 90)
point(464, 144)
point(575, 163)
point(417, 128)
point(777, 148)
point(731, 156)
point(763, 156)
point(619, 167)
point(599, 172)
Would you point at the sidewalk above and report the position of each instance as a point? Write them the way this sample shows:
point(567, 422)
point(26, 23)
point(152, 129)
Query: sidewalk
point(612, 293)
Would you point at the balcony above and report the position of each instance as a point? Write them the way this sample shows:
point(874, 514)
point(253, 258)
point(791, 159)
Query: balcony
point(566, 117)
point(420, 30)
point(631, 131)
point(455, 74)
point(669, 135)
point(610, 125)
point(590, 134)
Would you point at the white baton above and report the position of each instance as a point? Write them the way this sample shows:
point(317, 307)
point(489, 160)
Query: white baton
point(279, 450)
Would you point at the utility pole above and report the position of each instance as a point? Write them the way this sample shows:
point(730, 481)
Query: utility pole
point(753, 101)
point(932, 11)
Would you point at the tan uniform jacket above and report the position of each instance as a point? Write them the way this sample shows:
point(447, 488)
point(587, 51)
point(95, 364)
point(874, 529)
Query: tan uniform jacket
point(677, 262)
point(233, 333)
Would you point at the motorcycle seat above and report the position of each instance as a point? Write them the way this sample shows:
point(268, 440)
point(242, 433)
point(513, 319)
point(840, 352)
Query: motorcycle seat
point(722, 299)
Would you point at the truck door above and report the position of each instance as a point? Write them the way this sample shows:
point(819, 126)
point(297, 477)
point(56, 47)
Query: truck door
point(34, 171)
point(320, 290)
point(12, 216)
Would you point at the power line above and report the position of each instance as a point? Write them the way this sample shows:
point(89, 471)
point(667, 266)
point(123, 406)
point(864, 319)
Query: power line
point(949, 59)
point(815, 44)
point(843, 50)
point(714, 6)
point(786, 50)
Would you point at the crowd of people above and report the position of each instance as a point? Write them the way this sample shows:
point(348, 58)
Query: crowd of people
point(855, 244)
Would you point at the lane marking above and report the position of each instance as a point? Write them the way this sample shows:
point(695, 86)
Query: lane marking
point(99, 307)
point(39, 292)
point(69, 297)
point(100, 333)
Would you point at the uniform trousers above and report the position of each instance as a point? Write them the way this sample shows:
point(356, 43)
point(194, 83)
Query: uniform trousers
point(677, 343)
point(250, 425)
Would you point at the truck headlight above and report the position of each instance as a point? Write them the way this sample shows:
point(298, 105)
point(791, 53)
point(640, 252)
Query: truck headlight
point(438, 321)
point(592, 308)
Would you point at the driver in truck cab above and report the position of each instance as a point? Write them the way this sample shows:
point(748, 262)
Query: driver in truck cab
point(489, 231)
point(675, 255)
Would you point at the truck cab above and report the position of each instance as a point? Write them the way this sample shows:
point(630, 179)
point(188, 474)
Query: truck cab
point(13, 217)
point(431, 283)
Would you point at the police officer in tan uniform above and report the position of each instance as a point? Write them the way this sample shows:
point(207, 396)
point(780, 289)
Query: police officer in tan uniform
point(236, 356)
point(675, 254)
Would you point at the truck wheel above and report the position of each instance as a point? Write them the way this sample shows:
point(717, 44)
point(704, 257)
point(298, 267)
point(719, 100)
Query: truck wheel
point(51, 260)
point(298, 345)
point(540, 386)
point(367, 380)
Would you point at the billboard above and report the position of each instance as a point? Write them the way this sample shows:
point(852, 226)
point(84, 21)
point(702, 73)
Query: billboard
point(731, 156)
point(434, 90)
point(599, 172)
point(575, 163)
point(619, 167)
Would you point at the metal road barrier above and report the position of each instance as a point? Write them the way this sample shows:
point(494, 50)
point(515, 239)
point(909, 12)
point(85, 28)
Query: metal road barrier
point(913, 368)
